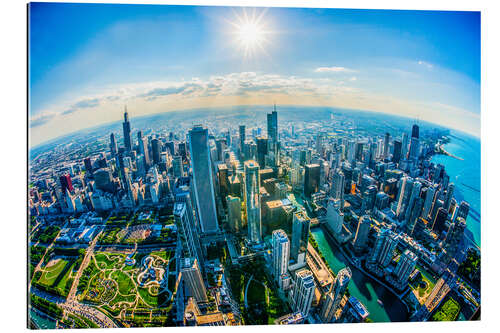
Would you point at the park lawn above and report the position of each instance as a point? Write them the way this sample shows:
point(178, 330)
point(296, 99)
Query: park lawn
point(162, 254)
point(125, 284)
point(150, 300)
point(256, 292)
point(66, 281)
point(448, 311)
point(50, 274)
point(114, 259)
point(120, 298)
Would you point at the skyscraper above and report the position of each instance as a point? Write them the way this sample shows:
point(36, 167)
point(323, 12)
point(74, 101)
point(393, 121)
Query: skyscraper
point(112, 145)
point(396, 157)
point(334, 216)
point(234, 213)
point(262, 145)
point(384, 247)
point(415, 131)
point(252, 201)
point(191, 275)
point(362, 231)
point(439, 221)
point(203, 183)
point(156, 148)
point(404, 146)
point(386, 145)
point(334, 296)
point(303, 292)
point(242, 141)
point(186, 225)
point(143, 149)
point(66, 184)
point(272, 125)
point(311, 179)
point(126, 132)
point(300, 237)
point(463, 210)
point(281, 255)
point(405, 266)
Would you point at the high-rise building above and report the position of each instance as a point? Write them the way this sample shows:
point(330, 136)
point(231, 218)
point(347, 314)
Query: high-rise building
point(242, 141)
point(234, 213)
point(455, 235)
point(415, 131)
point(405, 266)
point(404, 146)
point(88, 164)
point(112, 144)
point(334, 216)
point(311, 179)
point(439, 224)
point(126, 132)
point(462, 210)
point(415, 193)
point(272, 125)
point(281, 255)
point(300, 237)
point(177, 167)
point(203, 183)
point(362, 231)
point(449, 196)
point(386, 145)
point(156, 149)
point(262, 145)
point(338, 186)
point(66, 184)
point(186, 225)
point(384, 247)
point(396, 157)
point(429, 201)
point(252, 201)
point(191, 275)
point(414, 215)
point(303, 292)
point(334, 296)
point(143, 149)
point(104, 179)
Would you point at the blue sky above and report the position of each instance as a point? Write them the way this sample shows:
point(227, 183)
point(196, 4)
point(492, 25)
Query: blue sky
point(88, 60)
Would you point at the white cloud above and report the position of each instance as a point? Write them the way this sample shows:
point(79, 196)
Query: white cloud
point(426, 64)
point(333, 69)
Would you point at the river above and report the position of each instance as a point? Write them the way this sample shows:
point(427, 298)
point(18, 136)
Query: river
point(42, 322)
point(466, 175)
point(366, 290)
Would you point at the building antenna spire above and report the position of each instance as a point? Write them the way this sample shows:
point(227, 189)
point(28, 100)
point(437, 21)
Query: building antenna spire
point(274, 106)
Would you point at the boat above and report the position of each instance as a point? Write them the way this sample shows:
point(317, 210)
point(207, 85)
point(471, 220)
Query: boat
point(379, 301)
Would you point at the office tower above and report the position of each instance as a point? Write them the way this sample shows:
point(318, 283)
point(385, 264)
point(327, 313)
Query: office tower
point(402, 190)
point(234, 213)
point(440, 220)
point(203, 183)
point(358, 151)
point(337, 189)
point(334, 216)
point(311, 179)
point(415, 131)
point(104, 180)
point(449, 196)
point(186, 225)
point(455, 235)
point(405, 266)
point(272, 125)
point(396, 157)
point(362, 231)
point(351, 150)
point(334, 296)
point(384, 247)
point(126, 132)
point(143, 148)
point(242, 141)
point(404, 146)
point(66, 184)
point(177, 167)
point(88, 165)
point(220, 145)
point(281, 255)
point(156, 149)
point(386, 145)
point(170, 147)
point(181, 147)
point(252, 201)
point(300, 237)
point(416, 210)
point(462, 210)
point(261, 151)
point(414, 142)
point(429, 202)
point(382, 200)
point(303, 292)
point(112, 144)
point(191, 275)
point(415, 193)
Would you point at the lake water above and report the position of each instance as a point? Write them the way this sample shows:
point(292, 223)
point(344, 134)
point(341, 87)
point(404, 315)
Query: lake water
point(361, 286)
point(466, 175)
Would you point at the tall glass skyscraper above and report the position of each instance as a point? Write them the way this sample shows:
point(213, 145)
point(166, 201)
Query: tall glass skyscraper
point(203, 179)
point(300, 237)
point(252, 201)
point(281, 255)
point(334, 296)
point(126, 132)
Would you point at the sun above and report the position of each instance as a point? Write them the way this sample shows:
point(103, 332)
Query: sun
point(250, 33)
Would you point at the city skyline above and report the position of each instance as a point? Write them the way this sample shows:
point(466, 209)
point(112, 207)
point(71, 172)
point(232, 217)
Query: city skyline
point(397, 62)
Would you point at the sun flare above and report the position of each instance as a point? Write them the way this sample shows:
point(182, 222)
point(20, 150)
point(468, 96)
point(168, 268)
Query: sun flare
point(250, 33)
